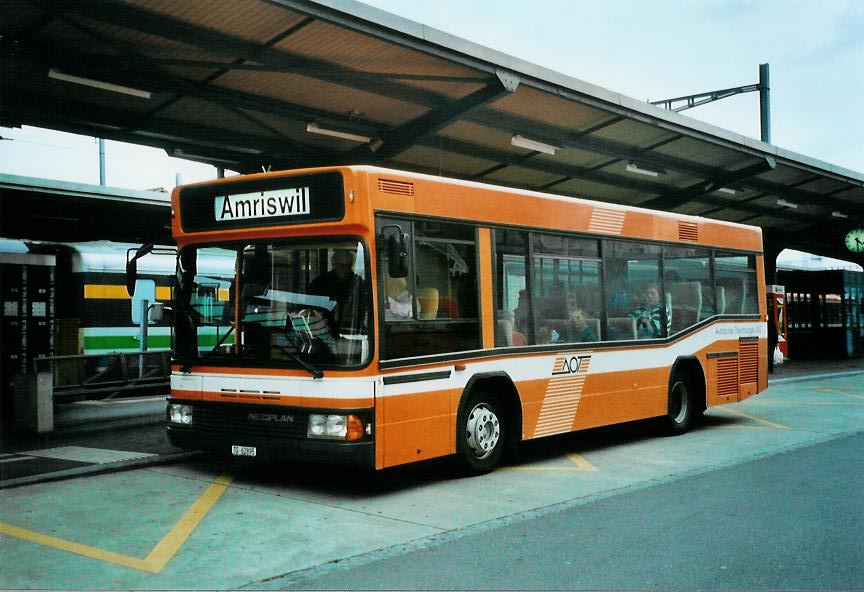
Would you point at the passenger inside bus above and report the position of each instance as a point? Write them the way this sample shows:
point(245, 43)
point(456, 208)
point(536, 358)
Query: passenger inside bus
point(573, 328)
point(649, 315)
point(521, 312)
point(341, 285)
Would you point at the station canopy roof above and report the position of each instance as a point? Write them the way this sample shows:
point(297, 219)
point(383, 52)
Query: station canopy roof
point(246, 84)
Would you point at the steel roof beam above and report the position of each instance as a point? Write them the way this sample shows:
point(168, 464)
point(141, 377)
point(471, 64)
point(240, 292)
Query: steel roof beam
point(671, 201)
point(159, 133)
point(137, 19)
point(157, 80)
point(582, 141)
point(568, 172)
point(400, 139)
point(123, 61)
point(545, 166)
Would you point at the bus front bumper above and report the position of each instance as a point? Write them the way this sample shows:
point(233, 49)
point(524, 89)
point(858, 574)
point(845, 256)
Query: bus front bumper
point(221, 428)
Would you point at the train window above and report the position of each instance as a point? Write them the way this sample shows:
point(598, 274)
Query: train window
point(144, 290)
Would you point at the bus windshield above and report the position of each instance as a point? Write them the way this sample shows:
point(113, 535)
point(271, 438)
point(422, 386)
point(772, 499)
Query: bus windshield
point(274, 303)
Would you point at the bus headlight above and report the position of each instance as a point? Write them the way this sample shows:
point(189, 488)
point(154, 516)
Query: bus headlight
point(336, 427)
point(180, 413)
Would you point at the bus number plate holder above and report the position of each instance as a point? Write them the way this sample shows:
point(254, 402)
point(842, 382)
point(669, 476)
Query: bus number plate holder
point(244, 450)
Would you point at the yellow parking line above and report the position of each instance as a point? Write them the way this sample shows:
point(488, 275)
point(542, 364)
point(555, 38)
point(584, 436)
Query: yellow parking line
point(772, 424)
point(580, 461)
point(576, 458)
point(547, 469)
point(73, 547)
point(171, 542)
point(161, 554)
point(838, 391)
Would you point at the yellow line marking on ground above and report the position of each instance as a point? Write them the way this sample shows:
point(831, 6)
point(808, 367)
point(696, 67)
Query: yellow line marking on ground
point(772, 424)
point(838, 391)
point(582, 465)
point(580, 461)
point(161, 554)
point(171, 542)
point(73, 547)
point(547, 469)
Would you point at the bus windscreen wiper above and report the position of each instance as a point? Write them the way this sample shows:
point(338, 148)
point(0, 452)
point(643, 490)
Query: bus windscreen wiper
point(315, 372)
point(221, 341)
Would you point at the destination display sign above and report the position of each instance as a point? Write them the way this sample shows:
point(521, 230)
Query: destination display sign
point(276, 201)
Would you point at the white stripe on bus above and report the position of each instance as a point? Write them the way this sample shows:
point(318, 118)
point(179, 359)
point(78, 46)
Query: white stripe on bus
point(522, 368)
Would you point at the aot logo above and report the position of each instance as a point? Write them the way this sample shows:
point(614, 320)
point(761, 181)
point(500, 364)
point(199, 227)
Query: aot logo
point(571, 364)
point(262, 204)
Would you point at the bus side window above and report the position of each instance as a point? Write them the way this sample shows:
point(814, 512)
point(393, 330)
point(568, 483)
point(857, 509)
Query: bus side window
point(636, 306)
point(687, 272)
point(736, 274)
point(434, 310)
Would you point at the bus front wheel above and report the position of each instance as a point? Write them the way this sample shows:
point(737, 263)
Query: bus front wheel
point(682, 407)
point(481, 434)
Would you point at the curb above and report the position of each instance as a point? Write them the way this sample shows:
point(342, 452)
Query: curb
point(807, 377)
point(100, 469)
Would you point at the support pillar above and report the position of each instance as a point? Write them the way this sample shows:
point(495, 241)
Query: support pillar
point(765, 103)
point(772, 248)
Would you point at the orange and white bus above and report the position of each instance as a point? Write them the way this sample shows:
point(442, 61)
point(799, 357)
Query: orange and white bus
point(380, 317)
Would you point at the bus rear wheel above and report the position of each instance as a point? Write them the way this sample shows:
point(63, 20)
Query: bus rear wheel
point(481, 434)
point(682, 412)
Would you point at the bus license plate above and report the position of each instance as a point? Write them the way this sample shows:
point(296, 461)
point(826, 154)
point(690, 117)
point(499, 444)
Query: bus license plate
point(244, 450)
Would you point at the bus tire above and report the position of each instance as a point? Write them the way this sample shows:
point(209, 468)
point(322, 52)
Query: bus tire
point(481, 433)
point(681, 413)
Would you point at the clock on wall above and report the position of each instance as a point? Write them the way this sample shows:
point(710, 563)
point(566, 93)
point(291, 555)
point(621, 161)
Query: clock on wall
point(855, 240)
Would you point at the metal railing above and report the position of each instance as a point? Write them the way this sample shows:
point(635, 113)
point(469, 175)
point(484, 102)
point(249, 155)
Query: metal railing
point(106, 376)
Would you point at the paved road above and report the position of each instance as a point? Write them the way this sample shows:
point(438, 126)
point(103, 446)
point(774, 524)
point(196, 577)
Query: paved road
point(766, 494)
point(788, 521)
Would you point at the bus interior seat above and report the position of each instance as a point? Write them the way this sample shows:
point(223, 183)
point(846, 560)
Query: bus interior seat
point(709, 303)
point(593, 323)
point(448, 308)
point(721, 300)
point(622, 328)
point(735, 294)
point(503, 332)
point(687, 300)
point(595, 326)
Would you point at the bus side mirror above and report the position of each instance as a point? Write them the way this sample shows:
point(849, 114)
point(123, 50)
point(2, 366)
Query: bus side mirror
point(397, 255)
point(131, 276)
point(132, 266)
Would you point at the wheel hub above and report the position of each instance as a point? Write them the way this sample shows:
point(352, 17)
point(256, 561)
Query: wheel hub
point(680, 403)
point(482, 431)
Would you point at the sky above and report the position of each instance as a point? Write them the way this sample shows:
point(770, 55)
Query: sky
point(645, 49)
point(659, 49)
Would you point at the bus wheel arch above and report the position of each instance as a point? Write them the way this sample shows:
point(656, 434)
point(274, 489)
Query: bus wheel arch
point(686, 395)
point(489, 401)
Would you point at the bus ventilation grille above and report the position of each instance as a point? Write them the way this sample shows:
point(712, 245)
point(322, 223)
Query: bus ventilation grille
point(748, 361)
point(727, 376)
point(396, 187)
point(688, 231)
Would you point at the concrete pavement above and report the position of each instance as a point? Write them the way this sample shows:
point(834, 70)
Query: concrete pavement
point(215, 524)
